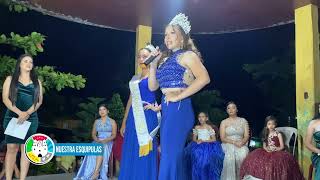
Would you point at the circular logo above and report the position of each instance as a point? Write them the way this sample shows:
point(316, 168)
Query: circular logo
point(39, 149)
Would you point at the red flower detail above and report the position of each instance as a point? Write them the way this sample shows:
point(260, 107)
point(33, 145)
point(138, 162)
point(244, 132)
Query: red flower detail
point(39, 138)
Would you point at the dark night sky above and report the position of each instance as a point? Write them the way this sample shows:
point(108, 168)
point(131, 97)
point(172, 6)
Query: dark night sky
point(106, 57)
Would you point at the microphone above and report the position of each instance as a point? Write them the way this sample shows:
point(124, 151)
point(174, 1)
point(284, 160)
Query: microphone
point(162, 48)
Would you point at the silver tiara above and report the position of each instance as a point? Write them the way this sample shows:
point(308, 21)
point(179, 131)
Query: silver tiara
point(181, 20)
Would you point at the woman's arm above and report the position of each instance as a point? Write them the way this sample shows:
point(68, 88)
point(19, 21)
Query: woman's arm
point(35, 107)
point(5, 97)
point(114, 132)
point(124, 120)
point(94, 132)
point(212, 139)
point(193, 62)
point(308, 139)
point(157, 108)
point(153, 83)
point(223, 134)
point(265, 147)
point(195, 134)
point(246, 133)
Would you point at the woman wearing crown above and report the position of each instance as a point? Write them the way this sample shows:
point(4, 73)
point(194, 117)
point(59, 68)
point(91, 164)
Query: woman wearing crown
point(179, 73)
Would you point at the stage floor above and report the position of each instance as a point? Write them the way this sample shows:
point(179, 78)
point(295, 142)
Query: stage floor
point(55, 177)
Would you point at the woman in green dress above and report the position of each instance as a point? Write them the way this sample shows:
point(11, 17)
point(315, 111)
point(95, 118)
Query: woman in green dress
point(22, 95)
point(313, 132)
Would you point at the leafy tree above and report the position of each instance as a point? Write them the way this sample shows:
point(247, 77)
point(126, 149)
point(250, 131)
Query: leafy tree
point(211, 103)
point(14, 6)
point(87, 114)
point(275, 78)
point(32, 44)
point(116, 109)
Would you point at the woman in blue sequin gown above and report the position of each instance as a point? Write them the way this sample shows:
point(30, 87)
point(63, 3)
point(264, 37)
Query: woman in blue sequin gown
point(179, 73)
point(132, 166)
point(103, 131)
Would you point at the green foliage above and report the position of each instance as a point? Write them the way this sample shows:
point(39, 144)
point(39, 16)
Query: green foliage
point(14, 6)
point(275, 78)
point(32, 44)
point(7, 65)
point(58, 80)
point(49, 168)
point(17, 8)
point(87, 114)
point(116, 109)
point(212, 103)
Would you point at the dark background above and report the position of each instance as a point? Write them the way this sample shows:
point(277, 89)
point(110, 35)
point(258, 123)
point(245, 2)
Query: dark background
point(106, 57)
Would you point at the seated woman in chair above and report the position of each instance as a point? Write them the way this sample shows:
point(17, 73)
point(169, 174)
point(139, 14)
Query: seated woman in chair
point(271, 162)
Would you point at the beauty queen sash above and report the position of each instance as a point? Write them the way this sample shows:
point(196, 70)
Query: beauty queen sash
point(144, 138)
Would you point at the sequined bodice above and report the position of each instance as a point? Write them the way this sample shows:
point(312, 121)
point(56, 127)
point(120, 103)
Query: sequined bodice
point(104, 129)
point(273, 140)
point(170, 74)
point(235, 131)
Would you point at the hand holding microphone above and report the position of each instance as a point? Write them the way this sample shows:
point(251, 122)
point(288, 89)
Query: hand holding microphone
point(155, 56)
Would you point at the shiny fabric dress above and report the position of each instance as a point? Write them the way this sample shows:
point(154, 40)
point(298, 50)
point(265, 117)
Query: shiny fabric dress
point(24, 102)
point(205, 160)
point(87, 167)
point(132, 166)
point(315, 157)
point(177, 119)
point(271, 165)
point(117, 147)
point(234, 155)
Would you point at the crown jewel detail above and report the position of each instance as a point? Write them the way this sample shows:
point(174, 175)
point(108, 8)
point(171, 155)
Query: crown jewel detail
point(181, 20)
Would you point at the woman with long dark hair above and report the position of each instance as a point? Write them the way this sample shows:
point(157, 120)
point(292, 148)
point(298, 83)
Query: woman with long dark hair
point(179, 73)
point(22, 95)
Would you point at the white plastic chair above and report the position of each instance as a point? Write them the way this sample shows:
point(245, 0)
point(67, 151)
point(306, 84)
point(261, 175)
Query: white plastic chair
point(249, 177)
point(288, 132)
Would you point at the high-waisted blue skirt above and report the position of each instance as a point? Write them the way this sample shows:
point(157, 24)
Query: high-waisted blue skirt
point(177, 121)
